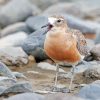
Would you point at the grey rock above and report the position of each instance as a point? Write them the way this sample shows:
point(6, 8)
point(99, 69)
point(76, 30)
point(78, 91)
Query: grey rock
point(6, 71)
point(62, 96)
point(95, 52)
point(20, 9)
point(91, 13)
point(35, 23)
point(2, 88)
point(90, 44)
point(47, 3)
point(87, 65)
point(79, 8)
point(84, 26)
point(33, 44)
point(27, 96)
point(97, 39)
point(47, 66)
point(19, 75)
point(84, 71)
point(92, 74)
point(64, 8)
point(13, 56)
point(6, 82)
point(14, 28)
point(18, 88)
point(90, 92)
point(44, 4)
point(13, 40)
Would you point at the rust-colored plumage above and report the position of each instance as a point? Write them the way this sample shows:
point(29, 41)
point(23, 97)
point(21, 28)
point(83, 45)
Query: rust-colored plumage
point(67, 46)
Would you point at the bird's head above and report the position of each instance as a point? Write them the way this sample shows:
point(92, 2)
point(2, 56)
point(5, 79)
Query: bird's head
point(56, 22)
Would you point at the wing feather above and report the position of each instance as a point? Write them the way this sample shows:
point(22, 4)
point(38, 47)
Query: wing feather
point(81, 42)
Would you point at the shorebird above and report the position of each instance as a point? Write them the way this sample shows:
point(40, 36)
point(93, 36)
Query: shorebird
point(63, 44)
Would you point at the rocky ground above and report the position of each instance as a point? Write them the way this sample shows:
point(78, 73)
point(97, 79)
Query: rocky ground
point(26, 72)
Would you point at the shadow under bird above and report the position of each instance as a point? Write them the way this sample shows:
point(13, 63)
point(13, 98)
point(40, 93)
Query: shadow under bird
point(63, 44)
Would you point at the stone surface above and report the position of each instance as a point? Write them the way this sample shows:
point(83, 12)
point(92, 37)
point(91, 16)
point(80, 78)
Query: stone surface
point(91, 13)
point(36, 22)
point(64, 8)
point(61, 96)
point(84, 26)
point(33, 44)
point(4, 70)
point(13, 56)
point(78, 8)
point(47, 66)
point(90, 92)
point(84, 73)
point(13, 40)
point(92, 74)
point(17, 27)
point(6, 82)
point(20, 87)
point(90, 43)
point(47, 3)
point(95, 52)
point(97, 39)
point(27, 96)
point(13, 12)
point(19, 75)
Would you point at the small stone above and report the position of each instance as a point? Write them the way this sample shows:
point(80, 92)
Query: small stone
point(92, 74)
point(31, 58)
point(6, 71)
point(84, 73)
point(64, 8)
point(18, 88)
point(62, 96)
point(19, 75)
point(14, 28)
point(15, 39)
point(33, 44)
point(33, 72)
point(90, 43)
point(26, 96)
point(6, 82)
point(95, 52)
point(90, 92)
point(14, 7)
point(60, 88)
point(13, 56)
point(47, 66)
point(35, 23)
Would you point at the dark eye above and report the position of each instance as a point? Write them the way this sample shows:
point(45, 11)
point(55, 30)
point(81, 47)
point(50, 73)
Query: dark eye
point(59, 21)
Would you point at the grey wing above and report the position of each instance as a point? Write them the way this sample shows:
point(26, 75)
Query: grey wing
point(81, 43)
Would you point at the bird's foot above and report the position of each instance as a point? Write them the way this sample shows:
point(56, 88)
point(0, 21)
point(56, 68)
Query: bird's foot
point(59, 89)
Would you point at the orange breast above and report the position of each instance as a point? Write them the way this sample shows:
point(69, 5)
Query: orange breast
point(61, 49)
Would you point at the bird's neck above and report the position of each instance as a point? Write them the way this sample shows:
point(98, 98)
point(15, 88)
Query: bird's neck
point(56, 32)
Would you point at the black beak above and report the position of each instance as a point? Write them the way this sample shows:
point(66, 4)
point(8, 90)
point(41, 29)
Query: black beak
point(45, 25)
